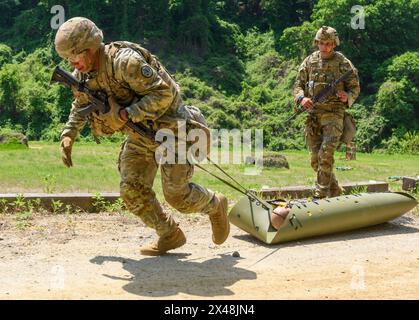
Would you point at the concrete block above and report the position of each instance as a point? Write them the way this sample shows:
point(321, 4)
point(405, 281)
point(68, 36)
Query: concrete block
point(410, 183)
point(83, 201)
point(370, 186)
point(297, 192)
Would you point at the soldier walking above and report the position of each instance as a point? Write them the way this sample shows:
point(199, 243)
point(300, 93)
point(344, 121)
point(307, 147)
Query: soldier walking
point(324, 124)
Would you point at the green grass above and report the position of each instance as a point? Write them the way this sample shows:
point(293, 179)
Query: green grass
point(12, 146)
point(39, 169)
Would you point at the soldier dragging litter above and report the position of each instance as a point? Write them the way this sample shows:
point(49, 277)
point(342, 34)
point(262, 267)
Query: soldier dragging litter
point(324, 124)
point(139, 90)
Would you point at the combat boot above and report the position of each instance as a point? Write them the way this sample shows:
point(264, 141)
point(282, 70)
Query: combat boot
point(335, 191)
point(318, 194)
point(171, 241)
point(219, 220)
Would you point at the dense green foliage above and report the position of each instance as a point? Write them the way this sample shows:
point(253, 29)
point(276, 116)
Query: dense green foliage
point(236, 60)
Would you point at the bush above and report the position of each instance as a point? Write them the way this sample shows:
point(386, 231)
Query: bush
point(53, 132)
point(296, 42)
point(6, 54)
point(407, 144)
point(26, 98)
point(12, 139)
point(220, 120)
point(392, 103)
point(254, 44)
point(193, 87)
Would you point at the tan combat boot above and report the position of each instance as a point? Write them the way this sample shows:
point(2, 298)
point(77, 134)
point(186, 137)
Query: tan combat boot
point(219, 220)
point(318, 194)
point(171, 241)
point(335, 191)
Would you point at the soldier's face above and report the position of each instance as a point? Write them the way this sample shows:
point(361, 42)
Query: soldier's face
point(326, 47)
point(83, 61)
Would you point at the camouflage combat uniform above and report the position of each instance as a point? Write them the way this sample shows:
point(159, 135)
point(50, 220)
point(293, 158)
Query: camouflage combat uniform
point(139, 82)
point(325, 121)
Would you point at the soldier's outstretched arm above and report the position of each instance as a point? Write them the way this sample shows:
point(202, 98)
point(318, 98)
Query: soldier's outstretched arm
point(75, 121)
point(156, 95)
point(69, 134)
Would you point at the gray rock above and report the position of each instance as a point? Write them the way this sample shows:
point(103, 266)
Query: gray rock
point(13, 137)
point(273, 160)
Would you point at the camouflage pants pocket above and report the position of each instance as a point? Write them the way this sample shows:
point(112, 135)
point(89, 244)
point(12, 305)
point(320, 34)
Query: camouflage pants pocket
point(180, 193)
point(332, 134)
point(309, 131)
point(312, 134)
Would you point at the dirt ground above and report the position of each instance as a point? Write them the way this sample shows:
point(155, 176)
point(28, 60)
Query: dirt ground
point(96, 256)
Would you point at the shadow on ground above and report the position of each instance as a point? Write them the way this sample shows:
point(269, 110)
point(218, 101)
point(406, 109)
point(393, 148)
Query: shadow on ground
point(173, 274)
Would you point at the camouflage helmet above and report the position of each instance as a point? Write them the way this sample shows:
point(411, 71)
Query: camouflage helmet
point(75, 35)
point(327, 33)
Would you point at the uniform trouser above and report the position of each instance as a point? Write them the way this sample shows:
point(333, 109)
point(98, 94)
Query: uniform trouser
point(138, 168)
point(323, 131)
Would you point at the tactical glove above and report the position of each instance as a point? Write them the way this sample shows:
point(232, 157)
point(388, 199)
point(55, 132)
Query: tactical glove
point(66, 145)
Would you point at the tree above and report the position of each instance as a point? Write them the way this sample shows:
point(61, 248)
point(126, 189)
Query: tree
point(6, 54)
point(399, 94)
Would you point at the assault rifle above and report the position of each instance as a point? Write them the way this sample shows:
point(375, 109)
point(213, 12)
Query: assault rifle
point(327, 91)
point(98, 100)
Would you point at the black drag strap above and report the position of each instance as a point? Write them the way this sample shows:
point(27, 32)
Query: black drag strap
point(223, 180)
point(225, 172)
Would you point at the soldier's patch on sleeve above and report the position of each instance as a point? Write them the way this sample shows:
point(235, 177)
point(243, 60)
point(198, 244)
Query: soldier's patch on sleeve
point(147, 71)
